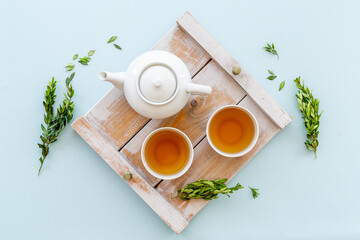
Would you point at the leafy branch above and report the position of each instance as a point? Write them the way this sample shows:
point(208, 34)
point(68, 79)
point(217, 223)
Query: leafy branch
point(205, 189)
point(271, 49)
point(255, 192)
point(309, 107)
point(55, 123)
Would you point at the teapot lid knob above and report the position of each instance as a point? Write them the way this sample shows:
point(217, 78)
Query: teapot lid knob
point(157, 84)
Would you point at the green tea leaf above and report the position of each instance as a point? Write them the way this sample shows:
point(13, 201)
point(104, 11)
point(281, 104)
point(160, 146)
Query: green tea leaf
point(91, 53)
point(75, 56)
point(112, 39)
point(117, 46)
point(282, 84)
point(70, 67)
point(272, 75)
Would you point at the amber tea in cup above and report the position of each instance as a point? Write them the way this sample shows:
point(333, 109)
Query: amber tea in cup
point(232, 131)
point(167, 153)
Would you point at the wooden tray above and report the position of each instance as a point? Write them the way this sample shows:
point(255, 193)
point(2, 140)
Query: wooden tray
point(115, 131)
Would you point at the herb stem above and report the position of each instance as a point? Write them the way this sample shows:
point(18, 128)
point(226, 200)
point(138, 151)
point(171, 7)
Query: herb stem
point(41, 166)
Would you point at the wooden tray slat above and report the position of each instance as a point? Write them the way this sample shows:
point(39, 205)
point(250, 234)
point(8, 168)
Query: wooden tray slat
point(182, 45)
point(192, 121)
point(121, 166)
point(218, 53)
point(114, 119)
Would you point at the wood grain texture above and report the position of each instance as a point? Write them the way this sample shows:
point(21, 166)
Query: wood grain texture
point(120, 165)
point(219, 54)
point(113, 117)
point(208, 164)
point(182, 45)
point(192, 121)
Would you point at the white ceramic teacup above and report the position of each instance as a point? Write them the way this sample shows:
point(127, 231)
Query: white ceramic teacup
point(254, 139)
point(181, 171)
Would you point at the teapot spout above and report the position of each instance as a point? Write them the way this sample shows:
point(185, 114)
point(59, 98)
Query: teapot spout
point(117, 79)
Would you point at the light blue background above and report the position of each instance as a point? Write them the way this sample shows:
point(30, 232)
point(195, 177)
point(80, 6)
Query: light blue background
point(78, 196)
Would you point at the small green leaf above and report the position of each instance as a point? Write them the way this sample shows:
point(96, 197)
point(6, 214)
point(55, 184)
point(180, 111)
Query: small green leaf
point(72, 76)
point(272, 75)
point(117, 46)
point(282, 84)
point(75, 56)
point(91, 53)
point(43, 139)
point(112, 39)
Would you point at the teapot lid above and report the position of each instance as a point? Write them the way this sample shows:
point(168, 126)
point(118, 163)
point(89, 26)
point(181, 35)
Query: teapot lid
point(157, 84)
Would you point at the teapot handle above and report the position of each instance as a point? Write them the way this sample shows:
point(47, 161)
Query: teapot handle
point(198, 89)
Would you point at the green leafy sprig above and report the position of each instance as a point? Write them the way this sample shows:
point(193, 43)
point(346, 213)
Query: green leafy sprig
point(271, 49)
point(272, 75)
point(55, 123)
point(205, 189)
point(255, 192)
point(309, 107)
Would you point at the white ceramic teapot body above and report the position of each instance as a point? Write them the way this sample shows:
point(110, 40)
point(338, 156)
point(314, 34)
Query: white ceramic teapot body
point(157, 84)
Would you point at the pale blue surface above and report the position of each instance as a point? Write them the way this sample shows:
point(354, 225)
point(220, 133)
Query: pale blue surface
point(78, 196)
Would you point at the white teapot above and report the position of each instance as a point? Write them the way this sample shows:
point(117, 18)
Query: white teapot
point(157, 84)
